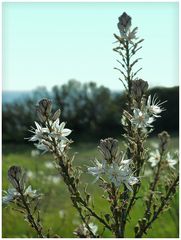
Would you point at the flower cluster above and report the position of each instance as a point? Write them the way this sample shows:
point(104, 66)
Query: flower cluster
point(17, 180)
point(144, 112)
point(161, 153)
point(155, 158)
point(124, 25)
point(141, 119)
point(113, 167)
point(154, 106)
point(53, 132)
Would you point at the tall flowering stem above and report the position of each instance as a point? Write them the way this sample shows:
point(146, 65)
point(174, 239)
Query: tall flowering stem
point(135, 90)
point(154, 208)
point(52, 137)
point(137, 118)
point(119, 173)
point(115, 172)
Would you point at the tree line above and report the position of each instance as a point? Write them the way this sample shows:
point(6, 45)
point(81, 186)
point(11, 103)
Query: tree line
point(91, 111)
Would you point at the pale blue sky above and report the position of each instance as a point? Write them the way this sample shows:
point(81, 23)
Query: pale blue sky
point(46, 44)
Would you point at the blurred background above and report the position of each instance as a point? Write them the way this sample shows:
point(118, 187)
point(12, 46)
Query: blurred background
point(63, 51)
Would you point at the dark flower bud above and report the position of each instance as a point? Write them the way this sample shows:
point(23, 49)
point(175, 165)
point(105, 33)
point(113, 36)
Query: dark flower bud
point(138, 88)
point(15, 175)
point(41, 117)
point(124, 23)
point(109, 149)
point(56, 115)
point(164, 139)
point(44, 108)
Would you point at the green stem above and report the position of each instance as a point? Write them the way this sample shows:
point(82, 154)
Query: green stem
point(152, 187)
point(125, 194)
point(29, 214)
point(73, 189)
point(115, 211)
point(124, 212)
point(160, 209)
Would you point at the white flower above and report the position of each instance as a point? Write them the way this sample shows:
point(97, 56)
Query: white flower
point(141, 119)
point(59, 131)
point(131, 35)
point(39, 132)
point(9, 196)
point(117, 172)
point(122, 173)
point(114, 174)
point(154, 158)
point(30, 193)
point(154, 106)
point(170, 160)
point(98, 170)
point(93, 228)
point(130, 182)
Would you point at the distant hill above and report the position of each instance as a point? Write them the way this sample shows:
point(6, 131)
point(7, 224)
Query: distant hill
point(11, 96)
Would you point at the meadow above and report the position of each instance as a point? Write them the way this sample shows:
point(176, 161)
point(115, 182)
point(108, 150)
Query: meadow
point(57, 214)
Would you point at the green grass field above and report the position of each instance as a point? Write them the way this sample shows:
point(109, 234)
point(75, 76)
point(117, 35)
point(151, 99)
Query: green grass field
point(57, 212)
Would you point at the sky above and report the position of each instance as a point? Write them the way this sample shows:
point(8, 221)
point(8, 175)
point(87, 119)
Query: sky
point(46, 44)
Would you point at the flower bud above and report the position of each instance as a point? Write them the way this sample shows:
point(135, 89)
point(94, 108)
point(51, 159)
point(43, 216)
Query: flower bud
point(114, 149)
point(56, 115)
point(105, 152)
point(44, 108)
point(40, 115)
point(127, 115)
point(138, 88)
point(109, 148)
point(124, 23)
point(164, 139)
point(14, 175)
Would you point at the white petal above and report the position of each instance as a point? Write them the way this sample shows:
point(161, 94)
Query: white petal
point(66, 132)
point(62, 125)
point(38, 126)
point(149, 100)
point(133, 180)
point(34, 138)
point(128, 187)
